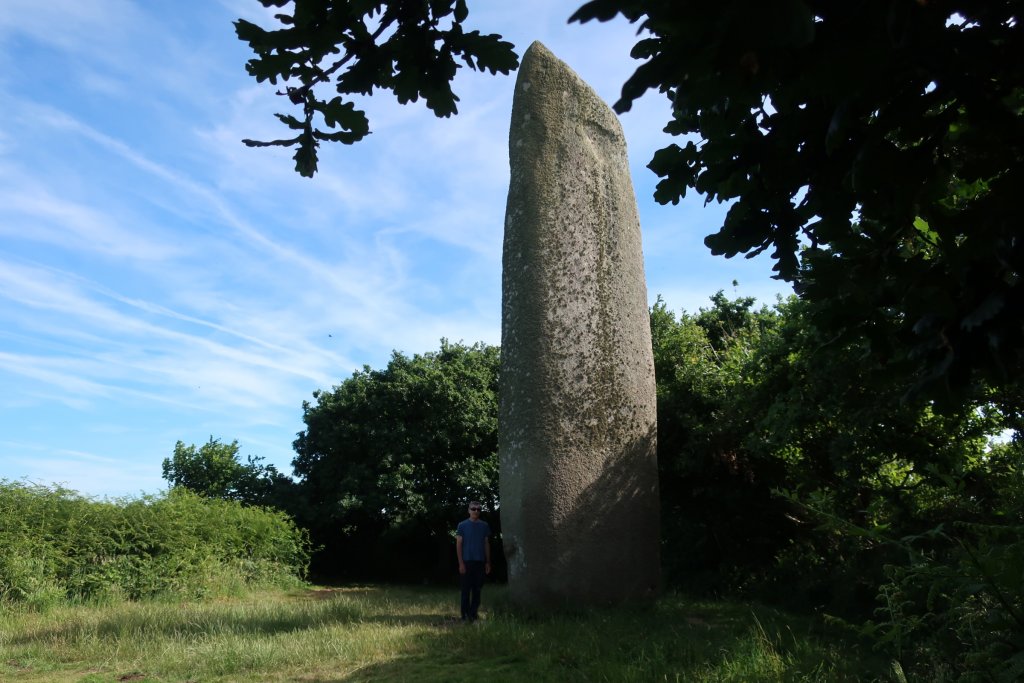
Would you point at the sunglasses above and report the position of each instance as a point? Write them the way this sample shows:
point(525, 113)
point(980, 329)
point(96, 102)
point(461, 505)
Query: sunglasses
point(474, 509)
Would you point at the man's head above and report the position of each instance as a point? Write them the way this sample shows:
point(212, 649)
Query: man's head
point(474, 509)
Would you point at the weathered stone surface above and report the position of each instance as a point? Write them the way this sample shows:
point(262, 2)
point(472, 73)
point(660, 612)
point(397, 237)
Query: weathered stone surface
point(579, 480)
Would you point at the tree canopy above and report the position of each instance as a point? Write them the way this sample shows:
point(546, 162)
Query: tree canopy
point(790, 469)
point(214, 470)
point(388, 459)
point(872, 147)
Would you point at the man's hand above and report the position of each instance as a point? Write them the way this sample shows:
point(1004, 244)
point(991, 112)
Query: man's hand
point(487, 568)
point(462, 568)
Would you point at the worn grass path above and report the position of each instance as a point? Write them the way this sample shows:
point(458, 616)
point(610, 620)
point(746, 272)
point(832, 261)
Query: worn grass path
point(376, 633)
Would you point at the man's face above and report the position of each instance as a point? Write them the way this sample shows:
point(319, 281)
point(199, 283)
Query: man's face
point(474, 511)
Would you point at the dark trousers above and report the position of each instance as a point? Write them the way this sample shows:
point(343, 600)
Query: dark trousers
point(472, 582)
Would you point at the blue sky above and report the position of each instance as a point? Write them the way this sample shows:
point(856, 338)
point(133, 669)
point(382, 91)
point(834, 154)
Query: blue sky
point(159, 281)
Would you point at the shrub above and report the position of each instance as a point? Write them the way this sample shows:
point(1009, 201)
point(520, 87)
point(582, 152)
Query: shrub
point(61, 545)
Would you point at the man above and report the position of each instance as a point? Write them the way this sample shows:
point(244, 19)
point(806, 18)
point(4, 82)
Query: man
point(473, 546)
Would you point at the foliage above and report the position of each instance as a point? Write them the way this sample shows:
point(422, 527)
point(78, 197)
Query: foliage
point(389, 458)
point(214, 470)
point(874, 146)
point(954, 608)
point(389, 633)
point(717, 516)
point(59, 545)
point(791, 467)
point(851, 444)
point(408, 47)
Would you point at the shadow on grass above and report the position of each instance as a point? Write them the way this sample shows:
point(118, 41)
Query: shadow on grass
point(673, 640)
point(668, 640)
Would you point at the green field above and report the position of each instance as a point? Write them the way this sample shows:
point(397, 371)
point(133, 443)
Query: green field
point(376, 633)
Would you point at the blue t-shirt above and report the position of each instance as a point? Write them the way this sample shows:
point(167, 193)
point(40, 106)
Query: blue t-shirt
point(474, 535)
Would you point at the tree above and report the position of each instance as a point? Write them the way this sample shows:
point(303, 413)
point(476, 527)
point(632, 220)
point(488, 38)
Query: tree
point(765, 430)
point(873, 146)
point(389, 458)
point(409, 47)
point(892, 501)
point(215, 471)
point(720, 522)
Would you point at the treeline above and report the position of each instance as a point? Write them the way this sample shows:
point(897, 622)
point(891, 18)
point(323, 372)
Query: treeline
point(60, 546)
point(796, 466)
point(383, 469)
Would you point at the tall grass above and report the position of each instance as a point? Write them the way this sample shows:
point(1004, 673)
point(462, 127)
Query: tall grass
point(59, 546)
point(412, 634)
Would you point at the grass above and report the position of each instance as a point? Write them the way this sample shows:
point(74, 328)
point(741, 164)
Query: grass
point(373, 633)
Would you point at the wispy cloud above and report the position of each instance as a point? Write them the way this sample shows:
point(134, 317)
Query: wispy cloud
point(32, 211)
point(126, 343)
point(161, 281)
point(71, 26)
point(86, 471)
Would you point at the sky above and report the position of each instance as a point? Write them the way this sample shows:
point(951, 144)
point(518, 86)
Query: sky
point(160, 281)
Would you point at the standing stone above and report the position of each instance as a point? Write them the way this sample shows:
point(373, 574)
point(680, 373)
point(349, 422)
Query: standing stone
point(577, 420)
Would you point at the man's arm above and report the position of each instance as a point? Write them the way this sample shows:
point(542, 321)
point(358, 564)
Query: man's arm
point(487, 553)
point(458, 551)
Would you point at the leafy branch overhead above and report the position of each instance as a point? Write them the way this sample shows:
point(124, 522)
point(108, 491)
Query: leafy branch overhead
point(410, 47)
point(874, 148)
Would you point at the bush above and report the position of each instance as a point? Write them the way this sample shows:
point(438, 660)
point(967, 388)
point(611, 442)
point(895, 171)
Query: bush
point(951, 598)
point(954, 610)
point(59, 545)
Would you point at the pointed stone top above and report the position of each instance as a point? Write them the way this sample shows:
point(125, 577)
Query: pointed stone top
point(538, 57)
point(549, 95)
point(540, 48)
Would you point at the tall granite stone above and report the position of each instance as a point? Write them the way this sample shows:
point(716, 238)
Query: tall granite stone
point(577, 421)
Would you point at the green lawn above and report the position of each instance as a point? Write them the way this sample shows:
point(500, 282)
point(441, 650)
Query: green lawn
point(375, 633)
